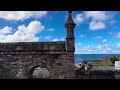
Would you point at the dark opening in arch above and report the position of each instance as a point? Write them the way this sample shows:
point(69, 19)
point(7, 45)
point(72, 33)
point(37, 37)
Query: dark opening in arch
point(38, 72)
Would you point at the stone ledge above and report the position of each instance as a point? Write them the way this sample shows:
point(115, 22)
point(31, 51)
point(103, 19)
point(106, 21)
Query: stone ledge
point(32, 53)
point(32, 46)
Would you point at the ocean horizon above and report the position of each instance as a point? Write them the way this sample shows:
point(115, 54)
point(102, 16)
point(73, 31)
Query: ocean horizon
point(80, 57)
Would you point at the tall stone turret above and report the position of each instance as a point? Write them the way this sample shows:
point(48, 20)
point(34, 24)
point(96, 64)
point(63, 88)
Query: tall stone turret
point(70, 25)
point(70, 47)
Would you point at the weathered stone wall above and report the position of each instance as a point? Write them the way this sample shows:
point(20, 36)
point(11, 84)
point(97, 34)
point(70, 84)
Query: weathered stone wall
point(5, 48)
point(70, 66)
point(97, 74)
point(18, 60)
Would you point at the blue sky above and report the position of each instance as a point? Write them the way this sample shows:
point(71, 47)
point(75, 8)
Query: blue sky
point(96, 32)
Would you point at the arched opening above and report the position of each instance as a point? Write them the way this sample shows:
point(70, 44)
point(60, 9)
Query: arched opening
point(38, 72)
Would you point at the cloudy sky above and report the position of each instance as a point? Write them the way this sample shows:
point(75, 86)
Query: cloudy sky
point(97, 32)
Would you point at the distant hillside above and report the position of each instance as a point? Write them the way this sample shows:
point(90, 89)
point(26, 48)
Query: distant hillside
point(107, 61)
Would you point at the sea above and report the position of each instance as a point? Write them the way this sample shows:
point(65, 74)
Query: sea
point(80, 57)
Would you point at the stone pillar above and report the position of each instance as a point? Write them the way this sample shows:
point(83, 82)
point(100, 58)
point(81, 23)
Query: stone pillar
point(70, 47)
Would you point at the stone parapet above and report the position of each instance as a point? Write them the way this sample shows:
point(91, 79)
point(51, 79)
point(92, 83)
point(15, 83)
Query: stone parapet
point(32, 46)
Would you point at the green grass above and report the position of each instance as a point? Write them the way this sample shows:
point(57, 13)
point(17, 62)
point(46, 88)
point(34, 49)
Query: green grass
point(107, 61)
point(101, 64)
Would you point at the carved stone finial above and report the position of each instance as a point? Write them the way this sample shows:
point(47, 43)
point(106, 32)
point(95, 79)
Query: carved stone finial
point(70, 20)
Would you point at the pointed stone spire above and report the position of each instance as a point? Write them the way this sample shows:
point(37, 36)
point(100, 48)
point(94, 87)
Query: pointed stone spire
point(70, 25)
point(70, 47)
point(70, 20)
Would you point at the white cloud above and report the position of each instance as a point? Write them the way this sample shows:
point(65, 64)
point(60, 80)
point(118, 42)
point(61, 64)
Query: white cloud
point(48, 37)
point(88, 49)
point(83, 35)
point(104, 41)
point(22, 34)
point(96, 25)
point(51, 29)
point(55, 39)
point(97, 15)
point(115, 52)
point(107, 47)
point(97, 19)
point(77, 49)
point(99, 47)
point(5, 30)
point(118, 45)
point(98, 37)
point(79, 19)
point(79, 44)
point(61, 39)
point(21, 15)
point(117, 35)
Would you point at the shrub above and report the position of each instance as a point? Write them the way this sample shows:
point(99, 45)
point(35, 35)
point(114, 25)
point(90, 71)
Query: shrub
point(85, 62)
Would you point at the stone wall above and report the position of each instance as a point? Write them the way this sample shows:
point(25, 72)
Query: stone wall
point(32, 46)
point(18, 60)
point(97, 74)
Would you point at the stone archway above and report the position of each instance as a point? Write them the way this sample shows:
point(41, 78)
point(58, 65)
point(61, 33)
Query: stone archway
point(31, 68)
point(41, 73)
point(56, 66)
